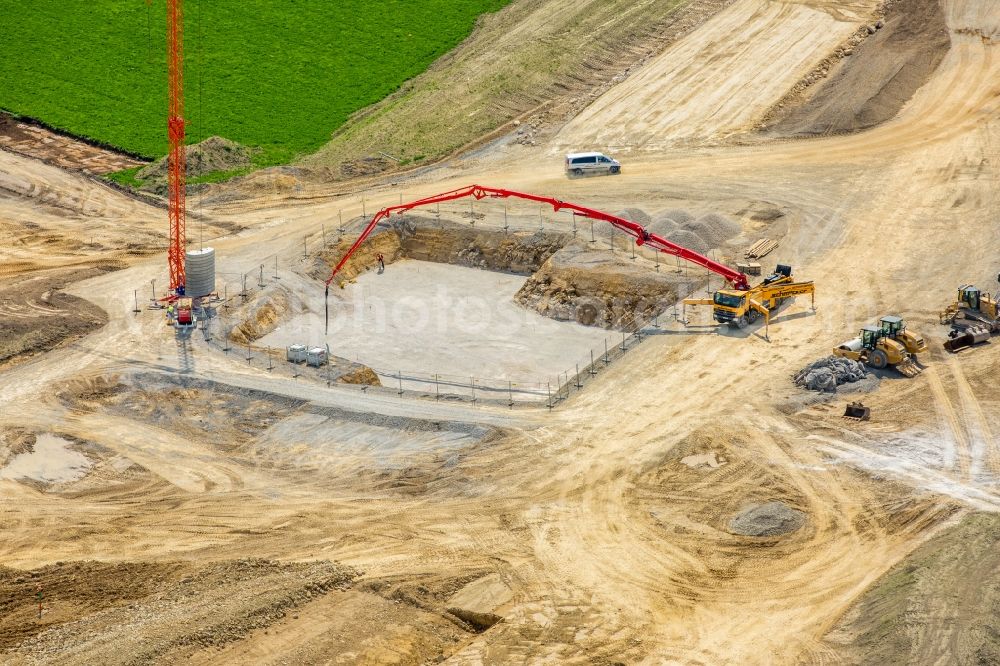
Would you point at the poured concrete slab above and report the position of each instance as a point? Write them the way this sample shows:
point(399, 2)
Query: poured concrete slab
point(460, 323)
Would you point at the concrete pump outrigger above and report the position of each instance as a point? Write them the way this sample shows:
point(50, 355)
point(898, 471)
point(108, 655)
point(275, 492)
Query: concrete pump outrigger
point(741, 307)
point(760, 301)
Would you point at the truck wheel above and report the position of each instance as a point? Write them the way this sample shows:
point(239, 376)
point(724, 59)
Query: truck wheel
point(742, 322)
point(752, 316)
point(878, 359)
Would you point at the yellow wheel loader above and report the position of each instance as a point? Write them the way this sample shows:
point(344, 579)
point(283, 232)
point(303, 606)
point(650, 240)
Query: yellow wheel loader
point(876, 350)
point(740, 308)
point(895, 328)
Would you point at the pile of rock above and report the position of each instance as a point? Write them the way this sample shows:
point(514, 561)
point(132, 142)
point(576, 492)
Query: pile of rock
point(769, 519)
point(828, 373)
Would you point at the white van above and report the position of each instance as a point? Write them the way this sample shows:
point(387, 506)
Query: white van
point(578, 164)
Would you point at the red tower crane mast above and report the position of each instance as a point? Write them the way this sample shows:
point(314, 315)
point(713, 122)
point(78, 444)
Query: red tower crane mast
point(176, 180)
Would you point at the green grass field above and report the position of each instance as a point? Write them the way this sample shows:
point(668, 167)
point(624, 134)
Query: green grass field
point(279, 76)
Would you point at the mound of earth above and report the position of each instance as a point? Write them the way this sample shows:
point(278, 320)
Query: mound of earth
point(690, 240)
point(835, 374)
point(596, 288)
point(213, 154)
point(678, 215)
point(770, 519)
point(878, 72)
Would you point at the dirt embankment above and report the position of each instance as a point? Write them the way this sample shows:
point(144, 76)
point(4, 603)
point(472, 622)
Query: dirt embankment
point(263, 312)
point(429, 239)
point(536, 62)
point(570, 279)
point(151, 611)
point(596, 288)
point(257, 317)
point(869, 79)
point(36, 316)
point(939, 605)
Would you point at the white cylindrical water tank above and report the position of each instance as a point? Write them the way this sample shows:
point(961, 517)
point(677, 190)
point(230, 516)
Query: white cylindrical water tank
point(199, 267)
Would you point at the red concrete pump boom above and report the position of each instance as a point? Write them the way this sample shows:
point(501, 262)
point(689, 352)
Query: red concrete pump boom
point(642, 237)
point(176, 180)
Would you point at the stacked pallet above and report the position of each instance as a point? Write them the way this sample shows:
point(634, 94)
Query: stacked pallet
point(761, 248)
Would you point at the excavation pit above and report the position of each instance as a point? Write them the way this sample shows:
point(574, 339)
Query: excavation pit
point(419, 319)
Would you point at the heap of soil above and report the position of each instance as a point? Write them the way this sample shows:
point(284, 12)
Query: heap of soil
point(770, 519)
point(596, 288)
point(212, 154)
point(878, 73)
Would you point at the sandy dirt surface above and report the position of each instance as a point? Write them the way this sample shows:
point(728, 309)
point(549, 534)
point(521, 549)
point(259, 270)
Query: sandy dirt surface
point(60, 150)
point(770, 43)
point(594, 531)
point(868, 82)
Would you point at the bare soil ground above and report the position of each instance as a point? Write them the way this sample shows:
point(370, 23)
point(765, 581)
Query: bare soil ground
point(871, 83)
point(66, 152)
point(600, 531)
point(938, 604)
point(37, 316)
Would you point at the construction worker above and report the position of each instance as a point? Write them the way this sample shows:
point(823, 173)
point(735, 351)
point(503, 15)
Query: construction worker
point(381, 263)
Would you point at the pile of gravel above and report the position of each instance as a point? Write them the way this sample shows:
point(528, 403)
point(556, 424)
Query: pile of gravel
point(662, 226)
point(635, 215)
point(827, 374)
point(678, 215)
point(679, 226)
point(690, 240)
point(770, 519)
point(716, 229)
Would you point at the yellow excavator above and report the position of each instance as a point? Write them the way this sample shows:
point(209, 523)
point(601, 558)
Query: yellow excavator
point(739, 308)
point(876, 349)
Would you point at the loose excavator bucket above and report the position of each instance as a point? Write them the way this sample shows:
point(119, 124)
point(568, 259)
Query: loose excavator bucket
point(856, 410)
point(971, 336)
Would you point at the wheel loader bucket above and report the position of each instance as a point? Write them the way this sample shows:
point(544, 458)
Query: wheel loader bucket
point(857, 411)
point(908, 368)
